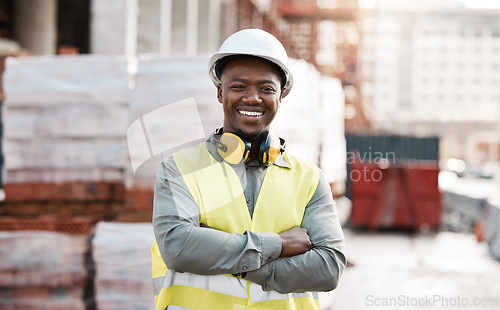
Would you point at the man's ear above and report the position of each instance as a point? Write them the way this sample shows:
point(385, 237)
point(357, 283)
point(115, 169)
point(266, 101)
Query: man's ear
point(219, 92)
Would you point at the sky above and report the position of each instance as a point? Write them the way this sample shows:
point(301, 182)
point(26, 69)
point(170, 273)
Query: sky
point(473, 4)
point(481, 4)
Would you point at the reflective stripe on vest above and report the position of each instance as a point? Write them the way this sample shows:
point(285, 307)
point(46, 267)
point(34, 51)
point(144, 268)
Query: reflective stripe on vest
point(217, 191)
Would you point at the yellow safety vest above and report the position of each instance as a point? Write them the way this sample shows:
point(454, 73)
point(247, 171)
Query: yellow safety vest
point(217, 191)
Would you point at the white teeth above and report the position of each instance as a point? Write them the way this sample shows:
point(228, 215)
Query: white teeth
point(250, 113)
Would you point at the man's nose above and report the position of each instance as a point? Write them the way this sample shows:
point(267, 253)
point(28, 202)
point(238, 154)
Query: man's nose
point(252, 96)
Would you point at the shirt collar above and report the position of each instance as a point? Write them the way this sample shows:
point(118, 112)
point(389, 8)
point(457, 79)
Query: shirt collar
point(212, 149)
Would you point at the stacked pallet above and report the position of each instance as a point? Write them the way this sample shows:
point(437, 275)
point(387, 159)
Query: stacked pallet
point(492, 227)
point(173, 105)
point(65, 120)
point(122, 258)
point(43, 270)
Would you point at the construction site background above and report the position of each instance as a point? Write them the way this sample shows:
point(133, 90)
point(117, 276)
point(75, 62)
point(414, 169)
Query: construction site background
point(95, 93)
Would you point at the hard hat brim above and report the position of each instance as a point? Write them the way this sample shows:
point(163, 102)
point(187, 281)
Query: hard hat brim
point(213, 63)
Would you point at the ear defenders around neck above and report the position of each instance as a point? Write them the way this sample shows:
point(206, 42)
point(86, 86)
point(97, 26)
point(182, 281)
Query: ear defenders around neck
point(270, 148)
point(234, 149)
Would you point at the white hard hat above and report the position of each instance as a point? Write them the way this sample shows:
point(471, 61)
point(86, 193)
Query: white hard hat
point(253, 42)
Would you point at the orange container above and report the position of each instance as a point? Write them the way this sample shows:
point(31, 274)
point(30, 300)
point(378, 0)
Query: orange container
point(399, 196)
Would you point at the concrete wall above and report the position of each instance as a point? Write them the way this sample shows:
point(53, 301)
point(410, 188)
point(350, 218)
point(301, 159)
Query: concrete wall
point(107, 26)
point(149, 23)
point(155, 26)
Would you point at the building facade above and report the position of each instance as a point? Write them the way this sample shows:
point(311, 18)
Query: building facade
point(432, 68)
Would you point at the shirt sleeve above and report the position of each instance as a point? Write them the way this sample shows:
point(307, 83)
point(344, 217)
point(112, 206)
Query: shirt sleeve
point(320, 268)
point(187, 247)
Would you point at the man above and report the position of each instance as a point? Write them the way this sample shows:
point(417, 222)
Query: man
point(239, 222)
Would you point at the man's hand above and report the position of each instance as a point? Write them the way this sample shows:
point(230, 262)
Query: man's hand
point(294, 241)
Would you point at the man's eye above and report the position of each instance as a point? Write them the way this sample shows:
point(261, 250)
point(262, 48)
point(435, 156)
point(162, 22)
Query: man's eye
point(237, 87)
point(268, 89)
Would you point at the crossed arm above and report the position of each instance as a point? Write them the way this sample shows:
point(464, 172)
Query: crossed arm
point(307, 258)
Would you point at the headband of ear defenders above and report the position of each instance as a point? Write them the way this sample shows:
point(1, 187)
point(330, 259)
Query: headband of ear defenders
point(233, 149)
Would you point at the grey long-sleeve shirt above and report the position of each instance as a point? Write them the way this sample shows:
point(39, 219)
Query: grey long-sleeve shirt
point(187, 247)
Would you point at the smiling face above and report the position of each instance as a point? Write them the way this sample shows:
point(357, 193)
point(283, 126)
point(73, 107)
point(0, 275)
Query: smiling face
point(250, 93)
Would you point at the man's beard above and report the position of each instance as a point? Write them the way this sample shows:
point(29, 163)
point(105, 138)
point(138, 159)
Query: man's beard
point(248, 136)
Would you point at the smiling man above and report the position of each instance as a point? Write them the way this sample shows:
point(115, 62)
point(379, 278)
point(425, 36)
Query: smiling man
point(240, 223)
point(250, 93)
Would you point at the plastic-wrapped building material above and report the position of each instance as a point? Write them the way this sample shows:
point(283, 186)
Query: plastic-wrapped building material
point(462, 211)
point(53, 80)
point(175, 102)
point(67, 121)
point(311, 120)
point(64, 154)
point(298, 117)
point(43, 270)
point(64, 117)
point(492, 227)
point(122, 257)
point(333, 144)
point(162, 80)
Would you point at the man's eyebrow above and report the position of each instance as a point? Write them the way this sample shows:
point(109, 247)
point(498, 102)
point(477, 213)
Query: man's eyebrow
point(265, 81)
point(238, 80)
point(268, 82)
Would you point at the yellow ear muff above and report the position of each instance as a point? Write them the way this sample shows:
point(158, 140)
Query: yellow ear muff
point(270, 148)
point(236, 148)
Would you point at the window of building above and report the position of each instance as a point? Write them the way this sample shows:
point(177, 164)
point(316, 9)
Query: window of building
point(73, 25)
point(6, 19)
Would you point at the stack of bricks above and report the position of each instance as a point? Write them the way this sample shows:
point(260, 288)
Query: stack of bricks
point(122, 256)
point(98, 199)
point(44, 270)
point(65, 122)
point(75, 225)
